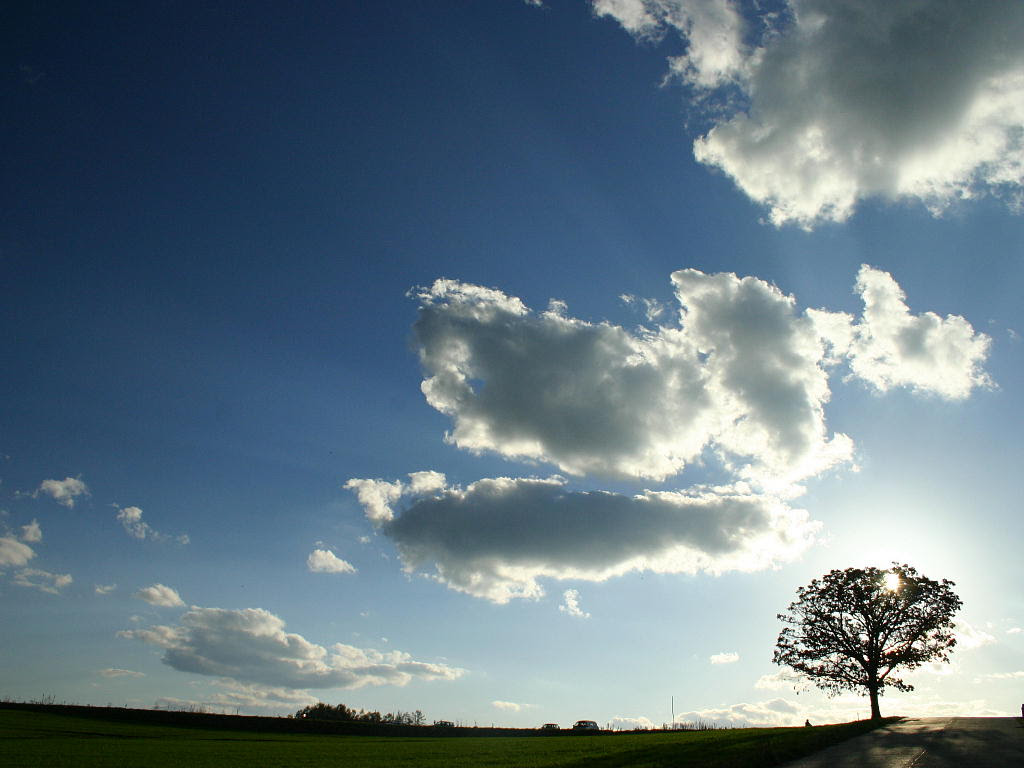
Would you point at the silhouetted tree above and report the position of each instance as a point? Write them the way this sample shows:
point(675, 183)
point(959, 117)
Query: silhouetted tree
point(322, 711)
point(850, 629)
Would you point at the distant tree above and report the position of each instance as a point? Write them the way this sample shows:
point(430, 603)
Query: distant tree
point(322, 711)
point(851, 629)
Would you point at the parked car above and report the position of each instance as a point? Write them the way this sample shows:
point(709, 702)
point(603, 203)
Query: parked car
point(550, 727)
point(585, 725)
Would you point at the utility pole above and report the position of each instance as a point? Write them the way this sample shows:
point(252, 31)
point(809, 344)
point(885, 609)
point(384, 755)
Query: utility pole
point(673, 712)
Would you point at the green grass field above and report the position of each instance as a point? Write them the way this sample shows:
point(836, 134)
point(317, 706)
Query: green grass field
point(29, 738)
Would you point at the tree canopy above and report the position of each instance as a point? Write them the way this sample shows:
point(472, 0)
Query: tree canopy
point(322, 711)
point(852, 629)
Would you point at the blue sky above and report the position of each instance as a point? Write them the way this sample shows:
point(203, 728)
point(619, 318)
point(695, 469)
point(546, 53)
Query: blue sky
point(515, 362)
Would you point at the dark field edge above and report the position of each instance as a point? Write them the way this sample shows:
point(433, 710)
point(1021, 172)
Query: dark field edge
point(256, 723)
point(781, 744)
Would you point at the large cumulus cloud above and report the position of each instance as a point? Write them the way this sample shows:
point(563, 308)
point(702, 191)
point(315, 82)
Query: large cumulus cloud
point(496, 537)
point(251, 646)
point(834, 101)
point(740, 378)
point(742, 375)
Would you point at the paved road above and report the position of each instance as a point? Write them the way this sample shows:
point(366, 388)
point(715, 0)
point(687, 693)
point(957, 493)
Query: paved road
point(930, 742)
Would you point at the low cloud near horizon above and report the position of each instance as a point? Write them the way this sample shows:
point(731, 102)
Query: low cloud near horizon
point(252, 648)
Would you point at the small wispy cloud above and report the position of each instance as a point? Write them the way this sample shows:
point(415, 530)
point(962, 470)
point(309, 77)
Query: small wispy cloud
point(14, 553)
point(105, 589)
point(133, 524)
point(325, 561)
point(65, 492)
point(571, 606)
point(724, 658)
point(44, 581)
point(969, 637)
point(507, 706)
point(114, 672)
point(160, 595)
point(777, 681)
point(32, 532)
point(1018, 675)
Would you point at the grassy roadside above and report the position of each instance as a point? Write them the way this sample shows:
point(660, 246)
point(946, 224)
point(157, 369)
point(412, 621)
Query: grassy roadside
point(33, 738)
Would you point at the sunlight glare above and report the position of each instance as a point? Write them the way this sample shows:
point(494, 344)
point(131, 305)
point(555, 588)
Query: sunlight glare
point(892, 582)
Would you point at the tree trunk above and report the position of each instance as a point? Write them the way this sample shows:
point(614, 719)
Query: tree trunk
point(873, 695)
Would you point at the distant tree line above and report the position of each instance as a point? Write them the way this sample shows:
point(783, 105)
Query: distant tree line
point(322, 711)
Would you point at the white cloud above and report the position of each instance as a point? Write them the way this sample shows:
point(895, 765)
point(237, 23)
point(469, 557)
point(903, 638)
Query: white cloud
point(724, 658)
point(160, 595)
point(105, 589)
point(64, 492)
point(653, 309)
point(764, 371)
point(44, 581)
point(835, 101)
point(715, 54)
point(740, 379)
point(742, 376)
point(1014, 631)
point(507, 706)
point(32, 532)
point(131, 519)
point(571, 604)
point(969, 637)
point(376, 496)
point(133, 524)
point(1018, 675)
point(114, 672)
point(231, 697)
point(497, 536)
point(259, 698)
point(13, 553)
point(619, 723)
point(821, 709)
point(890, 347)
point(325, 561)
point(772, 713)
point(777, 681)
point(251, 647)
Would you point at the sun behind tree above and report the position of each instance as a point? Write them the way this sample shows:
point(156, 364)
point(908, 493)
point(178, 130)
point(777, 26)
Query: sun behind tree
point(851, 629)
